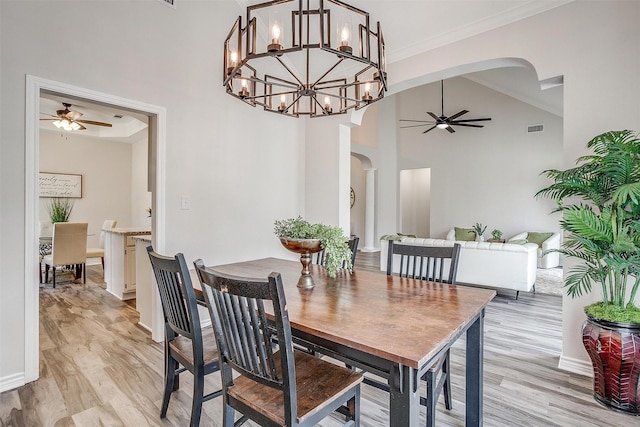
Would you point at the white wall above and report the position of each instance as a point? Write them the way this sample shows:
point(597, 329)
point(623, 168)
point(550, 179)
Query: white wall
point(358, 185)
point(106, 172)
point(487, 175)
point(140, 197)
point(241, 167)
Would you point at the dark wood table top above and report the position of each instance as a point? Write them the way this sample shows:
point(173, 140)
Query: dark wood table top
point(402, 320)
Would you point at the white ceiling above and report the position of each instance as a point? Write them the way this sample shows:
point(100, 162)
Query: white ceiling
point(414, 26)
point(409, 27)
point(129, 128)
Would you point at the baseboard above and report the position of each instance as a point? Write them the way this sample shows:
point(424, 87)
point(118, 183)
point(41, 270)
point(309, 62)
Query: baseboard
point(577, 366)
point(12, 381)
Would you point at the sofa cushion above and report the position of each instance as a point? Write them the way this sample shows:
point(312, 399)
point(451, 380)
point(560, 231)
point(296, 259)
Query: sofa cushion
point(519, 241)
point(538, 238)
point(465, 234)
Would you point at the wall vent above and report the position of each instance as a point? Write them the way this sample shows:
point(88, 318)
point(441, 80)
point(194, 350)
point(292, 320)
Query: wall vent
point(535, 128)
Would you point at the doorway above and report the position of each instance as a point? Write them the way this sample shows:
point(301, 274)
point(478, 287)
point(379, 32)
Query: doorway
point(156, 173)
point(415, 202)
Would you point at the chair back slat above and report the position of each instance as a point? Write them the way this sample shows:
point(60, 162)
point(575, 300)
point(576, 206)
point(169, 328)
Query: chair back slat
point(176, 293)
point(237, 307)
point(318, 257)
point(436, 264)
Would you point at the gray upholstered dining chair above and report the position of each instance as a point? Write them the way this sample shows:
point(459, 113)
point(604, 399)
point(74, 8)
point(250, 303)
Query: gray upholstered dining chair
point(434, 264)
point(99, 251)
point(186, 342)
point(283, 387)
point(68, 247)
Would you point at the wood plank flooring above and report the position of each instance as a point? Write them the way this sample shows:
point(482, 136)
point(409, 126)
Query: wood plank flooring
point(97, 367)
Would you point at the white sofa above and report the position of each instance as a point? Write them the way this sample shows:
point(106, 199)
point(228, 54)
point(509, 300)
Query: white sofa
point(495, 265)
point(549, 260)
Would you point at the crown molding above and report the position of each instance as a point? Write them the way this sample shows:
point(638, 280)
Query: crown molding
point(514, 14)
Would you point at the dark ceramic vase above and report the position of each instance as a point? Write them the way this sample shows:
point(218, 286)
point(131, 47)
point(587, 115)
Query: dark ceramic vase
point(614, 349)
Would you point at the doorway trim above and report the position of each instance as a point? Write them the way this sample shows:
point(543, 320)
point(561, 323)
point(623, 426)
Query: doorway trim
point(157, 123)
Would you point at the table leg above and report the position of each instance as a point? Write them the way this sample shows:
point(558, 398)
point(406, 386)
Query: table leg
point(404, 396)
point(475, 350)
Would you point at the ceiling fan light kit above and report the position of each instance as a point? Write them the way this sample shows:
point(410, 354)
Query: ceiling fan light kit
point(305, 57)
point(442, 121)
point(70, 120)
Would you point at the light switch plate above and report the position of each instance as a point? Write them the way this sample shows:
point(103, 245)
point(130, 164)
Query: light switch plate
point(185, 203)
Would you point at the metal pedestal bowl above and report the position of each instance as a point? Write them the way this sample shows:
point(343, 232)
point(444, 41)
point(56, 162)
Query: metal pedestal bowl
point(304, 247)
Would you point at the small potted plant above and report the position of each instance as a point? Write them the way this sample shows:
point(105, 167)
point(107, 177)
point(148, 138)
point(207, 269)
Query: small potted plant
point(600, 203)
point(60, 209)
point(479, 229)
point(496, 236)
point(298, 235)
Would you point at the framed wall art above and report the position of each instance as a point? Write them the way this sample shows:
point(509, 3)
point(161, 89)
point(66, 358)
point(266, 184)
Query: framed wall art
point(60, 185)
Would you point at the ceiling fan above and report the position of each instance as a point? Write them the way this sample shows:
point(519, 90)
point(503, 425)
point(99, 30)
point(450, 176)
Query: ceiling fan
point(444, 122)
point(69, 120)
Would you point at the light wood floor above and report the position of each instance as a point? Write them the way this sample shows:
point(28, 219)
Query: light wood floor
point(97, 367)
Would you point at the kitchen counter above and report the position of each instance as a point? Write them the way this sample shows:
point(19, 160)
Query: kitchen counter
point(120, 260)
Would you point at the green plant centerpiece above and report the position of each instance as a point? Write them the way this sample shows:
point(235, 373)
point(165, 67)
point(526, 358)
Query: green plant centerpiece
point(300, 236)
point(496, 234)
point(600, 203)
point(60, 209)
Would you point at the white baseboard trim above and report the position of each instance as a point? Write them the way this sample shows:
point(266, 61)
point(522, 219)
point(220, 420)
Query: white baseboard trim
point(370, 250)
point(577, 366)
point(12, 381)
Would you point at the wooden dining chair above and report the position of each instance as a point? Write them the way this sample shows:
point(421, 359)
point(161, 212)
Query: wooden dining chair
point(318, 258)
point(186, 342)
point(435, 264)
point(283, 387)
point(68, 248)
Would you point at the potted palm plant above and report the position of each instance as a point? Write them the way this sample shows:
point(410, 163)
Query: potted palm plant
point(600, 203)
point(300, 236)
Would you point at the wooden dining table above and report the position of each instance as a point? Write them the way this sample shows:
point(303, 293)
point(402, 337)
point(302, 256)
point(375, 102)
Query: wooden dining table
point(393, 327)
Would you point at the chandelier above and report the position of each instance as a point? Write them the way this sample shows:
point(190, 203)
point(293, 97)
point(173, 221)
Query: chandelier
point(305, 57)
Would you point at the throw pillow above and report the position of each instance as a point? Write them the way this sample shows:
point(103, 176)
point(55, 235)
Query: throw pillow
point(538, 238)
point(465, 234)
point(518, 241)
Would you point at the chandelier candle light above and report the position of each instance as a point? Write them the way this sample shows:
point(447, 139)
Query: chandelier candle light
point(305, 57)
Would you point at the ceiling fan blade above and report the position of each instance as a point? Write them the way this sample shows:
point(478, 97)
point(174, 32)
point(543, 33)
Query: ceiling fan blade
point(431, 128)
point(471, 120)
point(436, 118)
point(464, 124)
point(91, 122)
point(458, 114)
point(418, 121)
point(81, 127)
point(415, 126)
point(54, 118)
point(450, 129)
